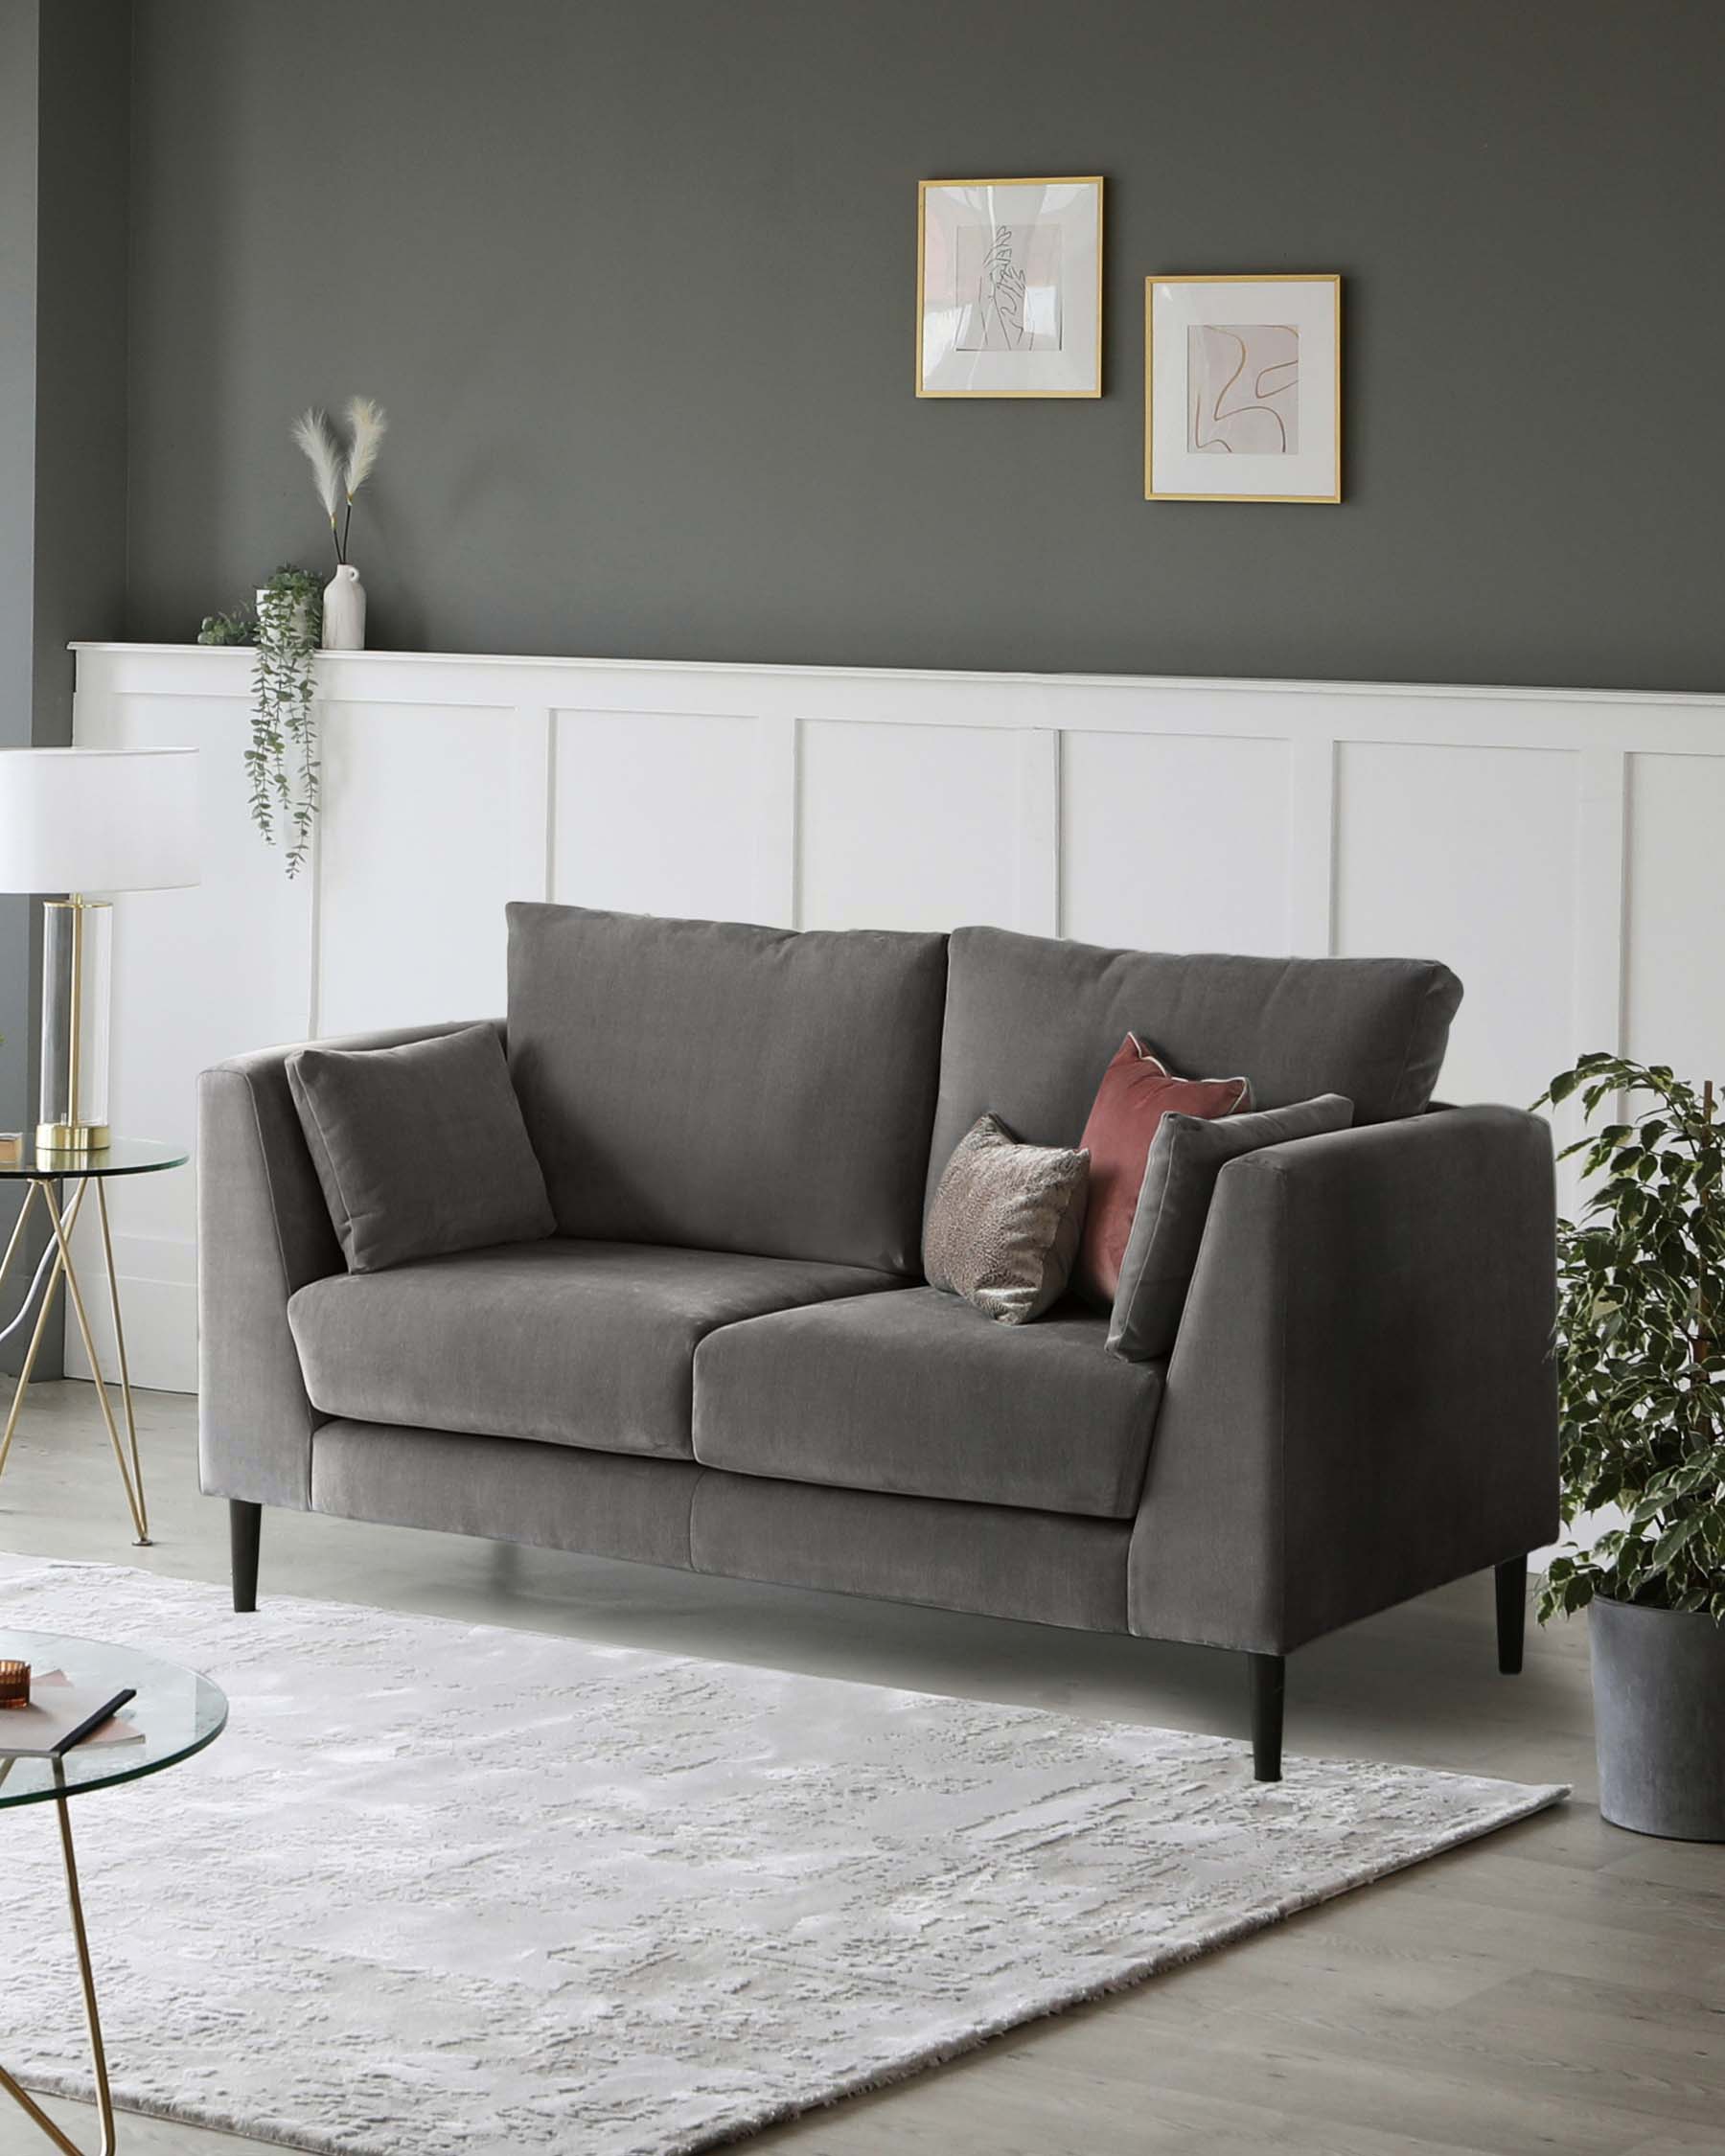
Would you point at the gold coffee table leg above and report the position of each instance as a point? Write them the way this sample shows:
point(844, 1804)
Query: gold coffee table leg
point(62, 1235)
point(131, 1474)
point(11, 1245)
point(13, 1240)
point(42, 1315)
point(104, 2103)
point(125, 1391)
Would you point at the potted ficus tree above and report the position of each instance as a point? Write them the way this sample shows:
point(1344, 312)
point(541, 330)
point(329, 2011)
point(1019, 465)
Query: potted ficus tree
point(1640, 1363)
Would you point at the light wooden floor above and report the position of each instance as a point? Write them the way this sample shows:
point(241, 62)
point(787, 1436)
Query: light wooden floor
point(1557, 1987)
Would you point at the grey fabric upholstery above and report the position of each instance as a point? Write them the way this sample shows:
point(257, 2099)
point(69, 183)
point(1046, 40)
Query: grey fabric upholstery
point(1362, 1402)
point(571, 1343)
point(604, 1504)
point(988, 1558)
point(728, 1087)
point(978, 1557)
point(1031, 1023)
point(1186, 1156)
point(263, 1231)
point(922, 1395)
point(420, 1148)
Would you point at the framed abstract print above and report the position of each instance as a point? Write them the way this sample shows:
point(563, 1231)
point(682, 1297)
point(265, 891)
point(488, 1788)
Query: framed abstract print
point(1009, 287)
point(1243, 388)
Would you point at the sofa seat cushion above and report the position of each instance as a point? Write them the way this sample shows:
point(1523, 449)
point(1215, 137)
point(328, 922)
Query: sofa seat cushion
point(569, 1342)
point(920, 1394)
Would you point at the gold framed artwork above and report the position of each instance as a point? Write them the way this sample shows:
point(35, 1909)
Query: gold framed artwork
point(1009, 287)
point(1243, 388)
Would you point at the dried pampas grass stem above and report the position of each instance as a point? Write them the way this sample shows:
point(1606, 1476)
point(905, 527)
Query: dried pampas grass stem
point(323, 452)
point(339, 474)
point(367, 423)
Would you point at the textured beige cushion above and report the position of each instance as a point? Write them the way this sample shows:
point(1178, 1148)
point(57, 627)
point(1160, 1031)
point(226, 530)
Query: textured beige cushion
point(1004, 1226)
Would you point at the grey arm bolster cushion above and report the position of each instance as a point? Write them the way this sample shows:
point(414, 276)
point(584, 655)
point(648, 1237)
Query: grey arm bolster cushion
point(1362, 1402)
point(420, 1148)
point(1186, 1156)
point(263, 1232)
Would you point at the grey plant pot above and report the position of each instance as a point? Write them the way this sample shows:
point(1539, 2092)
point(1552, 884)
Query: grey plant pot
point(1659, 1714)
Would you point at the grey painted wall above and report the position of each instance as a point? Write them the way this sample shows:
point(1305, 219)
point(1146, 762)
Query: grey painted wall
point(84, 90)
point(634, 279)
point(64, 97)
point(18, 966)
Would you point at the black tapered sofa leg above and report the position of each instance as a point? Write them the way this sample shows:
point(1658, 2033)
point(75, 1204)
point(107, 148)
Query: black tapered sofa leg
point(1512, 1613)
point(245, 1523)
point(1265, 1674)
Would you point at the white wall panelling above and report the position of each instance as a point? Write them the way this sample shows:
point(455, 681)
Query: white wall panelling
point(1674, 975)
point(909, 827)
point(1432, 849)
point(668, 812)
point(198, 974)
point(1178, 841)
point(1559, 849)
point(433, 815)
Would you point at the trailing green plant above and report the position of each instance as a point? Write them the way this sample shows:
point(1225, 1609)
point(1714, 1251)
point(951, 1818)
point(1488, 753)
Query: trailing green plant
point(281, 759)
point(239, 628)
point(1640, 1363)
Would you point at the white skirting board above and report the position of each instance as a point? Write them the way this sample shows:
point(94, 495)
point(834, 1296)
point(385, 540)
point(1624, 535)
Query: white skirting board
point(1559, 848)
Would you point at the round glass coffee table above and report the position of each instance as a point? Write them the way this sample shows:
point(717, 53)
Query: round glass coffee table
point(176, 1712)
point(41, 1168)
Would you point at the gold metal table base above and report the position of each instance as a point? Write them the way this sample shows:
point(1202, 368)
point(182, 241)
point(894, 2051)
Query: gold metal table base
point(63, 1222)
point(104, 2103)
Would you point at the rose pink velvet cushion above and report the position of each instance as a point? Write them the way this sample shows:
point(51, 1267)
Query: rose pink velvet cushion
point(1137, 1091)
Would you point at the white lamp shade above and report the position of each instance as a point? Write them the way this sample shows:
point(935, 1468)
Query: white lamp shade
point(98, 819)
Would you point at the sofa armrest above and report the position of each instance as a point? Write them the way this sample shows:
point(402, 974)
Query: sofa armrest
point(1361, 1404)
point(262, 1233)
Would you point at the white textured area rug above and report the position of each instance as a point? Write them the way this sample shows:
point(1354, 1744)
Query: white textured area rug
point(460, 1891)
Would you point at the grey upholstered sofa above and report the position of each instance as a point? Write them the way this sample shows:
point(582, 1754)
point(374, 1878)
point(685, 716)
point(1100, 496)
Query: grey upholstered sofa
point(727, 1360)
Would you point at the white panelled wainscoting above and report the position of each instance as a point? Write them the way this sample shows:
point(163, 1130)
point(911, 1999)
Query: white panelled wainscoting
point(1559, 848)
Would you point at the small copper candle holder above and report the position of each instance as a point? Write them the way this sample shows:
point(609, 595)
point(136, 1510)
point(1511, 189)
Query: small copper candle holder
point(14, 1684)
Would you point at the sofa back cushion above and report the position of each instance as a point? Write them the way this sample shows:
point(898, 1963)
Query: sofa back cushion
point(728, 1087)
point(1031, 1023)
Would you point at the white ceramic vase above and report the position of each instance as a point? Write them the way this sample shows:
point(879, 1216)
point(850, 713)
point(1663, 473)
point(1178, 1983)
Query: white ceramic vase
point(344, 612)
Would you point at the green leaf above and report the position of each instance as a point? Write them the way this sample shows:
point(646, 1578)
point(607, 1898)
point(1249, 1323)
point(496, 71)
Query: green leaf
point(1674, 1541)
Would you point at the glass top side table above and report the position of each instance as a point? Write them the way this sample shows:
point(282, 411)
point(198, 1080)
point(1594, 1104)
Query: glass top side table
point(177, 1714)
point(41, 1168)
